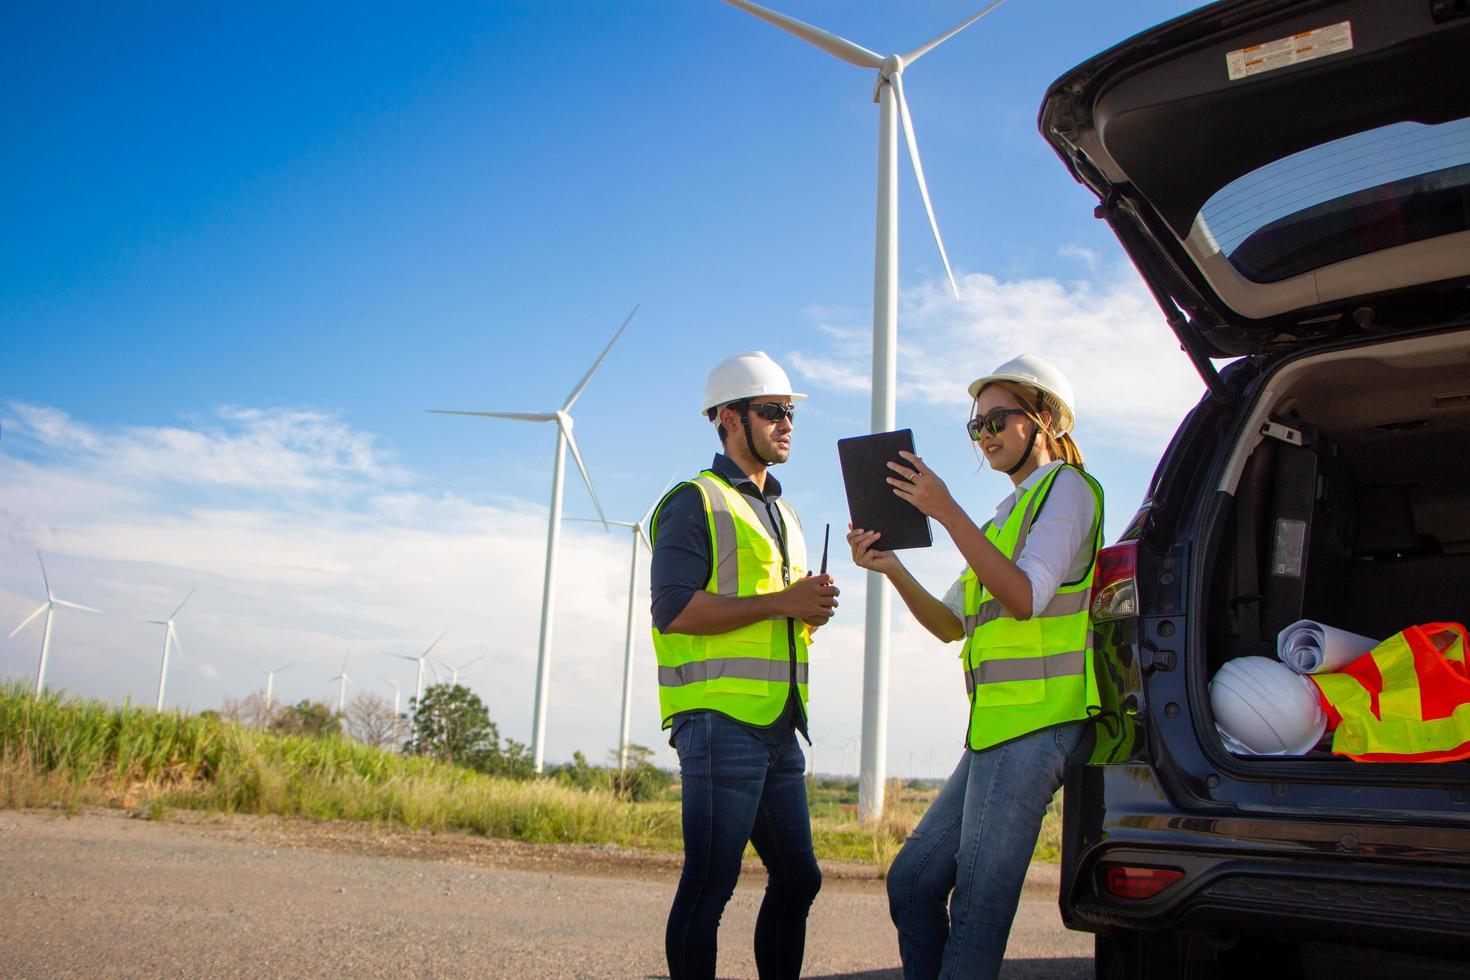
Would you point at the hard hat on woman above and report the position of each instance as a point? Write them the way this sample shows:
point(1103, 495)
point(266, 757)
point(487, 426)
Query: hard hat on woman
point(1039, 373)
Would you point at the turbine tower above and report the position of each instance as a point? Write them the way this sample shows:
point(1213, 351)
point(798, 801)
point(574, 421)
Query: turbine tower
point(169, 636)
point(639, 531)
point(397, 694)
point(564, 438)
point(342, 690)
point(892, 109)
point(422, 660)
point(270, 680)
point(48, 607)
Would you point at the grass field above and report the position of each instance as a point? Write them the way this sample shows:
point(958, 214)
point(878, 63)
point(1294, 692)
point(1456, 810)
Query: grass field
point(74, 753)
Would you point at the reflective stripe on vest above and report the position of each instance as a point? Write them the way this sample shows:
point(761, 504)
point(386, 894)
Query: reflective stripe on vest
point(745, 673)
point(1403, 701)
point(1023, 675)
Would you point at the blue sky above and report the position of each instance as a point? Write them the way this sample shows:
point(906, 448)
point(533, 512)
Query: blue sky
point(246, 249)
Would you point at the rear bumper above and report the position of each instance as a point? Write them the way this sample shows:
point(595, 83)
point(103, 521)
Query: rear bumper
point(1248, 875)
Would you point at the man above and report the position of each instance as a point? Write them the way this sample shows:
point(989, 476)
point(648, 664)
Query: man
point(734, 606)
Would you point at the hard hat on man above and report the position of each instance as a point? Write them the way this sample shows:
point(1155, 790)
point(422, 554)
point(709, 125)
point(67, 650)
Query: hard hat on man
point(749, 375)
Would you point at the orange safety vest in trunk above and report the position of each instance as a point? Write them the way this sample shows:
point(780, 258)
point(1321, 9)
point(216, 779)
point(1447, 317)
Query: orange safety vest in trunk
point(1406, 700)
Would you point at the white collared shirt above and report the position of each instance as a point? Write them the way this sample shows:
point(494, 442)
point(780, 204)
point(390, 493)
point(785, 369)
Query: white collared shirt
point(1059, 547)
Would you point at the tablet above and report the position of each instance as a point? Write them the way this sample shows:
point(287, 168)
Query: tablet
point(871, 501)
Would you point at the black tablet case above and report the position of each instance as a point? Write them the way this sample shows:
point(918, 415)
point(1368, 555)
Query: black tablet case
point(870, 498)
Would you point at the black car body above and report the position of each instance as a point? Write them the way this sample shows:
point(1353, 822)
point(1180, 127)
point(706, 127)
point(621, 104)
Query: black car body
point(1292, 181)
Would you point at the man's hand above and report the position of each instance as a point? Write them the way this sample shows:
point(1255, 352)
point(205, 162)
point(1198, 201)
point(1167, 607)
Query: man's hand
point(812, 599)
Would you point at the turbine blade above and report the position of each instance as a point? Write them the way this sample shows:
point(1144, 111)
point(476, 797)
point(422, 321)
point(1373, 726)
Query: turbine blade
point(577, 391)
point(44, 577)
point(283, 667)
point(471, 663)
point(918, 53)
point(853, 54)
point(647, 541)
point(577, 455)
point(75, 605)
point(401, 656)
point(648, 514)
point(593, 520)
point(425, 654)
point(175, 637)
point(24, 622)
point(517, 416)
point(908, 132)
point(181, 605)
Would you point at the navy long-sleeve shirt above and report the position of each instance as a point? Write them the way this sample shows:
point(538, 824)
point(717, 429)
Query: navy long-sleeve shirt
point(683, 561)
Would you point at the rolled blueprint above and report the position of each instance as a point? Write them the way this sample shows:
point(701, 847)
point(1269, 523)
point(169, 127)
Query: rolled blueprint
point(1310, 647)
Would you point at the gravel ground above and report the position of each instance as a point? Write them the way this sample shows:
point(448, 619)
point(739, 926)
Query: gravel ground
point(104, 895)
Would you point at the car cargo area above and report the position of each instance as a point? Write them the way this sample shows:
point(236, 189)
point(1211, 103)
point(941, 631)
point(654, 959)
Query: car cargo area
point(1351, 501)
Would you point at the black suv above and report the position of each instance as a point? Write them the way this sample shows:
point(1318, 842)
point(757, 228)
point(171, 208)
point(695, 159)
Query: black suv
point(1292, 181)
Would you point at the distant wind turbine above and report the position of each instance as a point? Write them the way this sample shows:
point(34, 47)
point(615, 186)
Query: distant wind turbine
point(270, 680)
point(169, 637)
point(48, 607)
point(397, 694)
point(422, 660)
point(639, 529)
point(342, 690)
point(454, 671)
point(564, 438)
point(889, 95)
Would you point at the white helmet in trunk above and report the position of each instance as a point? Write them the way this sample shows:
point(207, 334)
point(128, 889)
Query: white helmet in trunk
point(1263, 707)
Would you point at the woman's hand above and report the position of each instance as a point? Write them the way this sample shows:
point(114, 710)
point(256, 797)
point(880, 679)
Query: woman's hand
point(922, 487)
point(864, 555)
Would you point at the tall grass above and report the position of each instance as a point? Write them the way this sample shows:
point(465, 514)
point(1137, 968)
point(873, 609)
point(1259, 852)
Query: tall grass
point(78, 753)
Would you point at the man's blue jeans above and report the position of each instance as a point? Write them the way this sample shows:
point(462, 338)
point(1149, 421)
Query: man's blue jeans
point(970, 850)
point(738, 788)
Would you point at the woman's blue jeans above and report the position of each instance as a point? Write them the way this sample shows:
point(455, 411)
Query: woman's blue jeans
point(955, 885)
point(738, 788)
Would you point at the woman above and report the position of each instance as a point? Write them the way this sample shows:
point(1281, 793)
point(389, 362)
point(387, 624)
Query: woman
point(1022, 608)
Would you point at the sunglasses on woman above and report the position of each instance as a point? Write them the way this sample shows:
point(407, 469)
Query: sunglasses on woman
point(993, 421)
point(774, 411)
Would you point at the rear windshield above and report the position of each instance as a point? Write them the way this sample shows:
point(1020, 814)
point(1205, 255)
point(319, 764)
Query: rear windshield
point(1389, 186)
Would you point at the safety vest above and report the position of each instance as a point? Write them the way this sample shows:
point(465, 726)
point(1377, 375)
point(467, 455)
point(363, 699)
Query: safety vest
point(1026, 674)
point(747, 672)
point(1403, 701)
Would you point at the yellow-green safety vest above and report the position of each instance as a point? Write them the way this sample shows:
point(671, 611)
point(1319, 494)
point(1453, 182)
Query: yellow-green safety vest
point(1026, 674)
point(747, 672)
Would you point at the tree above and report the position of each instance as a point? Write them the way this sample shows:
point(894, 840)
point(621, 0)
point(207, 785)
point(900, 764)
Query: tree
point(452, 724)
point(252, 711)
point(370, 720)
point(306, 718)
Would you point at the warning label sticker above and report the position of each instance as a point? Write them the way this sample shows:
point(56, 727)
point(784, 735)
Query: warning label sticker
point(1245, 62)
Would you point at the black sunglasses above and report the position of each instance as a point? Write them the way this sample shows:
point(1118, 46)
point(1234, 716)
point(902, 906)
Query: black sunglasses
point(993, 421)
point(774, 411)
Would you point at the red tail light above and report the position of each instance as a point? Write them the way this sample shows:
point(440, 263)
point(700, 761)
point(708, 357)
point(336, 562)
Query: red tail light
point(1114, 585)
point(1135, 883)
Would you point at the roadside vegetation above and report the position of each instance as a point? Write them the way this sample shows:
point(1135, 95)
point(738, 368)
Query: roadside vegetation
point(452, 772)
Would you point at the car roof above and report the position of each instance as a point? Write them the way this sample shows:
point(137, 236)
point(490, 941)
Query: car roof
point(1283, 172)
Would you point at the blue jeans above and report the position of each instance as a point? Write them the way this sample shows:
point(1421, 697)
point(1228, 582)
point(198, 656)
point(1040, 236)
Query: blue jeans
point(970, 851)
point(738, 788)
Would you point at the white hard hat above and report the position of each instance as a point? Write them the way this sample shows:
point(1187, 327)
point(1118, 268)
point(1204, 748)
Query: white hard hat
point(1037, 372)
point(749, 375)
point(1263, 707)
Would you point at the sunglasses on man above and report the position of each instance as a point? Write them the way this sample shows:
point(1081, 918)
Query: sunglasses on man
point(774, 411)
point(993, 421)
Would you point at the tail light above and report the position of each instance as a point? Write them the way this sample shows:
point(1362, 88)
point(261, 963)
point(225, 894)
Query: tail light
point(1115, 583)
point(1137, 883)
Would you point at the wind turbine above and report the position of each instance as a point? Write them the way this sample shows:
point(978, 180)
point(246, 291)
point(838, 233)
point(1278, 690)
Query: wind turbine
point(640, 535)
point(169, 636)
point(454, 671)
point(563, 419)
point(889, 96)
point(422, 659)
point(342, 690)
point(397, 694)
point(48, 607)
point(270, 680)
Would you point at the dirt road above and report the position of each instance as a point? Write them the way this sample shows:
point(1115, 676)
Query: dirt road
point(105, 895)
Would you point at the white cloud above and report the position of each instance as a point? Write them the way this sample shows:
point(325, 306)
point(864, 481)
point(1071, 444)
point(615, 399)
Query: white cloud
point(1130, 378)
point(1081, 253)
